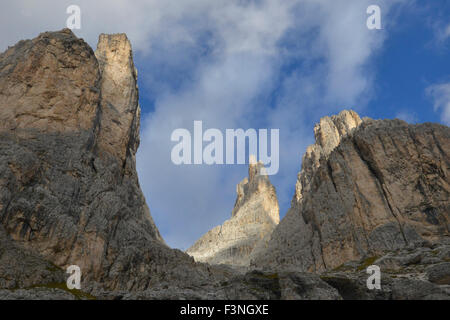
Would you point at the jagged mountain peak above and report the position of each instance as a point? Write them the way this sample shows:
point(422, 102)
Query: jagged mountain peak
point(328, 134)
point(330, 130)
point(255, 184)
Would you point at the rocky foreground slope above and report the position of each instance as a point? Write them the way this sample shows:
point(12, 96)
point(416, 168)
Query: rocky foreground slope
point(369, 192)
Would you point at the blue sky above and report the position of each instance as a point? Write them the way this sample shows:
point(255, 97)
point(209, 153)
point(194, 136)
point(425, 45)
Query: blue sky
point(256, 64)
point(413, 58)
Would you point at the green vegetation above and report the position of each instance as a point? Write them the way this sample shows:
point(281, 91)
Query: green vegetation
point(78, 294)
point(343, 267)
point(367, 262)
point(270, 276)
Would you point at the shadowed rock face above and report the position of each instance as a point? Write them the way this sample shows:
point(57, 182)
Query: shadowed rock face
point(366, 187)
point(255, 215)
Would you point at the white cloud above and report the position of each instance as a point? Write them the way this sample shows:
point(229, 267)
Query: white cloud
point(440, 93)
point(442, 31)
point(407, 115)
point(446, 33)
point(231, 63)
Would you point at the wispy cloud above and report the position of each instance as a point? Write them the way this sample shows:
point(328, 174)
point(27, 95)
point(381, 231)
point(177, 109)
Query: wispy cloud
point(407, 115)
point(441, 31)
point(440, 93)
point(446, 32)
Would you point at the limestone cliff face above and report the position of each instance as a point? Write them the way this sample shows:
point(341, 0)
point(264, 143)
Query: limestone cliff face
point(48, 85)
point(69, 193)
point(366, 187)
point(255, 215)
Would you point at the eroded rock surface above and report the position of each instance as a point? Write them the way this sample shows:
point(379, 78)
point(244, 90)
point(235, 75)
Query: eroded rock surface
point(254, 216)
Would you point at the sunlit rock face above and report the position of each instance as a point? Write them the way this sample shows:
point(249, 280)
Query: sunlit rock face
point(254, 216)
point(49, 85)
point(120, 119)
point(366, 187)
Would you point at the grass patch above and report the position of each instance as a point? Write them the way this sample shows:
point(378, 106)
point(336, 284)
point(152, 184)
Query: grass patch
point(367, 262)
point(78, 294)
point(271, 276)
point(343, 267)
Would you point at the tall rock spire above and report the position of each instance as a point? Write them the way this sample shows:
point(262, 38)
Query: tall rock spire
point(254, 216)
point(120, 112)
